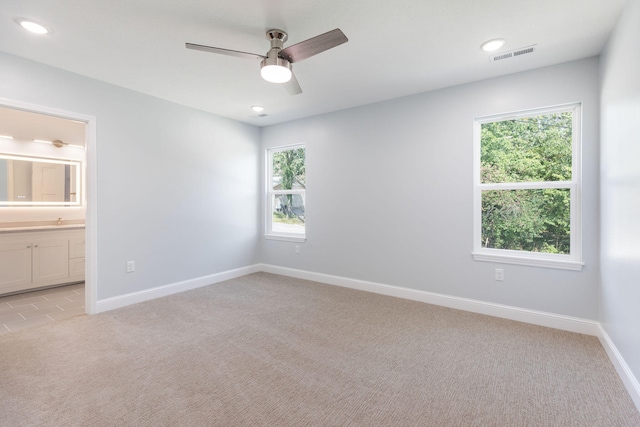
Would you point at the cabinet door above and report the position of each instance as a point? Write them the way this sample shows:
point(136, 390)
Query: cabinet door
point(15, 266)
point(50, 260)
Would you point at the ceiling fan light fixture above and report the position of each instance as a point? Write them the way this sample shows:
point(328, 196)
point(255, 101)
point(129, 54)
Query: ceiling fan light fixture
point(275, 70)
point(275, 73)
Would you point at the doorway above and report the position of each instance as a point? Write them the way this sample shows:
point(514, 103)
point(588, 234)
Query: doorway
point(50, 129)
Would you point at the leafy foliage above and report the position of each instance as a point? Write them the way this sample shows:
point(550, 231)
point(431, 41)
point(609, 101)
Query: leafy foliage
point(288, 171)
point(289, 166)
point(533, 149)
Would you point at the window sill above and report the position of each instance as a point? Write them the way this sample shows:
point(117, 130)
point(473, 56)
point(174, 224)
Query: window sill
point(285, 238)
point(562, 264)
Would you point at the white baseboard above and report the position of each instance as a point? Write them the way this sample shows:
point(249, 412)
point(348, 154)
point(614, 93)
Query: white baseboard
point(627, 377)
point(173, 288)
point(566, 323)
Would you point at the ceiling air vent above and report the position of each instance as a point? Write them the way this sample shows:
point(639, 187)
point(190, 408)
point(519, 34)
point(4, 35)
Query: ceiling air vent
point(513, 53)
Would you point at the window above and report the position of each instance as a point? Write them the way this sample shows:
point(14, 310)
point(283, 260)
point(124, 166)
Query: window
point(286, 184)
point(527, 188)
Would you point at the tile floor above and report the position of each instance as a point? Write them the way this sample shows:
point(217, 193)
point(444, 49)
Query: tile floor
point(40, 307)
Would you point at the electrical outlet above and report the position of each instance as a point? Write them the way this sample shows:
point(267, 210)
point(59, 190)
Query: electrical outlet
point(131, 266)
point(499, 274)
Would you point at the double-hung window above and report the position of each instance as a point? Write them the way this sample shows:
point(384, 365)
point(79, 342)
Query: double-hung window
point(527, 188)
point(286, 185)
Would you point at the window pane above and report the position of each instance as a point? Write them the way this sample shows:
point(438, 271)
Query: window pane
point(528, 149)
point(526, 220)
point(288, 170)
point(288, 213)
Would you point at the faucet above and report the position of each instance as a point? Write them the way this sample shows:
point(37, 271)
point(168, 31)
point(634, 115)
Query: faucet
point(59, 221)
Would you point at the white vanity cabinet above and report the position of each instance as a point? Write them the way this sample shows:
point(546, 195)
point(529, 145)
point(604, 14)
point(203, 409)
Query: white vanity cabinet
point(38, 259)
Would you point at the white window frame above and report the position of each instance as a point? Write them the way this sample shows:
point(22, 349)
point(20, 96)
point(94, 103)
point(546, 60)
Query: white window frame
point(571, 261)
point(270, 193)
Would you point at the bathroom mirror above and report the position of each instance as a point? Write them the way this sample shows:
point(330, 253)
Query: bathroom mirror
point(35, 181)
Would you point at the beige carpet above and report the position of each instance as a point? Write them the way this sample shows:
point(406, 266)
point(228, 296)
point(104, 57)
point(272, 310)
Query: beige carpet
point(265, 350)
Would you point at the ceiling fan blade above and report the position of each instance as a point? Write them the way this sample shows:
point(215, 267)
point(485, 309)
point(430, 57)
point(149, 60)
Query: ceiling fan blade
point(222, 51)
point(313, 46)
point(292, 86)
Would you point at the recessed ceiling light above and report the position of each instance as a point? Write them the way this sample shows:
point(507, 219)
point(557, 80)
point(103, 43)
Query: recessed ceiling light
point(491, 45)
point(42, 140)
point(257, 108)
point(32, 26)
point(6, 136)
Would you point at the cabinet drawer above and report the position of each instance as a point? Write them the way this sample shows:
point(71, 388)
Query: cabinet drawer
point(76, 268)
point(76, 247)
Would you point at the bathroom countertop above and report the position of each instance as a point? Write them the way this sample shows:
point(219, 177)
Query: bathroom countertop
point(40, 227)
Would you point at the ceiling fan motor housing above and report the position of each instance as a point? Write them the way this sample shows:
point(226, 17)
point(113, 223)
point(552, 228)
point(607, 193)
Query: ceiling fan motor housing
point(273, 59)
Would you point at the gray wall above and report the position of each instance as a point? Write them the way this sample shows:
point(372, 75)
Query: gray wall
point(177, 188)
point(389, 187)
point(390, 192)
point(620, 187)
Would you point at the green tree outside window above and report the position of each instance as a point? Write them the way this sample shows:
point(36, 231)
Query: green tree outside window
point(527, 150)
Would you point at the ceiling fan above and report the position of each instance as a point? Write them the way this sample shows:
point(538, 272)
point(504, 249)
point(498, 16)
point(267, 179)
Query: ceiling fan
point(275, 66)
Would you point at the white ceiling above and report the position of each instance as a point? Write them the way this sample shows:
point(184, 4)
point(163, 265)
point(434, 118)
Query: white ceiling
point(395, 48)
